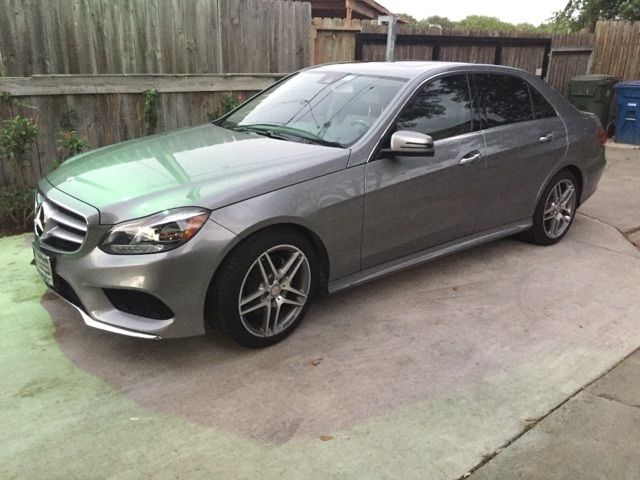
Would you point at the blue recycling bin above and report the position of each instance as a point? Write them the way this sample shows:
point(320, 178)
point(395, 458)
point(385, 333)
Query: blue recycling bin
point(628, 117)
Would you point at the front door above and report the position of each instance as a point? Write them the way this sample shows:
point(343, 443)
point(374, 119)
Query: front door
point(413, 203)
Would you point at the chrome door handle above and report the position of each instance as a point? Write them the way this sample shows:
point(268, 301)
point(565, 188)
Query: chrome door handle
point(470, 158)
point(546, 138)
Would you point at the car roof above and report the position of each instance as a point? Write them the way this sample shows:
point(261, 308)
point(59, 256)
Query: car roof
point(401, 69)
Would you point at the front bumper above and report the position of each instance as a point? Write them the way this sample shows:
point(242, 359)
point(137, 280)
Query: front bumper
point(179, 278)
point(90, 322)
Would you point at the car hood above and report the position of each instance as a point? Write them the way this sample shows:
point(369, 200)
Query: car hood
point(206, 166)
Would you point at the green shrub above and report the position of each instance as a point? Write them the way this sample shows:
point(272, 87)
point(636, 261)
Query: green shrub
point(18, 203)
point(16, 142)
point(150, 110)
point(70, 144)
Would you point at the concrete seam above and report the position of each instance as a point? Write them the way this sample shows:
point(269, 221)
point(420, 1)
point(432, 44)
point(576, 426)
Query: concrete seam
point(487, 458)
point(624, 234)
point(611, 398)
point(600, 247)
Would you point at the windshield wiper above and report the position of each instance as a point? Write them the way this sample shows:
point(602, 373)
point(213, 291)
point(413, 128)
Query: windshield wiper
point(290, 134)
point(261, 131)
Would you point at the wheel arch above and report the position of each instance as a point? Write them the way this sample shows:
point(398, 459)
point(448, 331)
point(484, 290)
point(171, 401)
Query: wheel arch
point(579, 177)
point(318, 246)
point(574, 170)
point(315, 240)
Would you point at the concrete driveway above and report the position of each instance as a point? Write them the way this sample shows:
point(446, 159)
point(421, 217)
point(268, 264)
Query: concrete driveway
point(419, 375)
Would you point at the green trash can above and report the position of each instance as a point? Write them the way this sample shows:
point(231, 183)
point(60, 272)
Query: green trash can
point(593, 93)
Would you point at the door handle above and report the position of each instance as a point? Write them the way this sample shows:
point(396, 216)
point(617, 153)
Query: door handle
point(470, 157)
point(546, 138)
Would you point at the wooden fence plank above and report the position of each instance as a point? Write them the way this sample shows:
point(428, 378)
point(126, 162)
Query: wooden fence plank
point(104, 84)
point(617, 49)
point(109, 109)
point(153, 36)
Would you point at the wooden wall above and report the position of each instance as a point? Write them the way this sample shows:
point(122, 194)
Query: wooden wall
point(153, 36)
point(567, 64)
point(110, 109)
point(108, 38)
point(334, 39)
point(618, 49)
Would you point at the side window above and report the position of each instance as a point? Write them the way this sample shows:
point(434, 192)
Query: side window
point(504, 99)
point(541, 107)
point(441, 108)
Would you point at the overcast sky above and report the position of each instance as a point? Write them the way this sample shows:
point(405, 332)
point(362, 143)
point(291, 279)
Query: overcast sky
point(513, 11)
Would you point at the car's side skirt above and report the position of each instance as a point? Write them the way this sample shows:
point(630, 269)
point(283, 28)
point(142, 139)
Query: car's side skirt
point(428, 254)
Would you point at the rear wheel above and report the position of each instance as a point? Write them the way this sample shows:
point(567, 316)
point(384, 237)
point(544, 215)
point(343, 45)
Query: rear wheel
point(555, 212)
point(263, 289)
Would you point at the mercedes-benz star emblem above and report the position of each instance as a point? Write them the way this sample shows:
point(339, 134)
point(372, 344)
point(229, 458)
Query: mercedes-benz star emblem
point(41, 221)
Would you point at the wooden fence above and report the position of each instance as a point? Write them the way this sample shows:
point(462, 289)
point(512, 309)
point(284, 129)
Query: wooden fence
point(335, 40)
point(99, 40)
point(153, 36)
point(618, 49)
point(103, 39)
point(109, 109)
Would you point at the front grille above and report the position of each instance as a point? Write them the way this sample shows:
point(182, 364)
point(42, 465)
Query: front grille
point(58, 227)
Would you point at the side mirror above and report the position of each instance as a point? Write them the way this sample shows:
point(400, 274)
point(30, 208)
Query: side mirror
point(411, 144)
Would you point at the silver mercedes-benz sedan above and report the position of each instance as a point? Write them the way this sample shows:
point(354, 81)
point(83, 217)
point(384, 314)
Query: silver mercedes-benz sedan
point(334, 176)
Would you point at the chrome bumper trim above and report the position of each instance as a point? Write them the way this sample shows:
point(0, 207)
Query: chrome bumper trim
point(90, 322)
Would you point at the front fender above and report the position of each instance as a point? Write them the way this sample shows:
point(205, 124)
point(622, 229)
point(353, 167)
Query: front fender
point(331, 207)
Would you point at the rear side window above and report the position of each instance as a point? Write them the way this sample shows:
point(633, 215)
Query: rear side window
point(442, 109)
point(541, 107)
point(503, 99)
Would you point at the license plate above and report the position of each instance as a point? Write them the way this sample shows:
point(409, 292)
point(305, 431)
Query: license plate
point(43, 264)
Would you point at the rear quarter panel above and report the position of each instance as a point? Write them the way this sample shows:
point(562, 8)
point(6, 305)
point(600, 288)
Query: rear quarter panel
point(584, 151)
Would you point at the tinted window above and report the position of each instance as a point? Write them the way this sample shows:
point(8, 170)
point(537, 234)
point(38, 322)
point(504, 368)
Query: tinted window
point(441, 109)
point(541, 108)
point(504, 99)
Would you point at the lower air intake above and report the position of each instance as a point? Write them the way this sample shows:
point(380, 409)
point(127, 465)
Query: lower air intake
point(138, 303)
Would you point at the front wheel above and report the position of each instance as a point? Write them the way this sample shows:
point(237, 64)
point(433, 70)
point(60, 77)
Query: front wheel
point(555, 212)
point(263, 289)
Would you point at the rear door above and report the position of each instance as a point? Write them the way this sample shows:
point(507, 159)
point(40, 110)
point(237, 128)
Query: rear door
point(525, 138)
point(413, 203)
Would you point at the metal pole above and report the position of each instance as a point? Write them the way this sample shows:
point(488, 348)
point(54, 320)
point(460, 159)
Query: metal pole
point(392, 22)
point(391, 38)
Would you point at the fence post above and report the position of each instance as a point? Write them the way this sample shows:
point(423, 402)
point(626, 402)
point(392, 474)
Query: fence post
point(392, 21)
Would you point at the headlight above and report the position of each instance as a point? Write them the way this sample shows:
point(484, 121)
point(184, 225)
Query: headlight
point(158, 233)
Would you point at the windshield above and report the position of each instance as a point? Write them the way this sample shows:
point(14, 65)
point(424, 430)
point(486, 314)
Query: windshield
point(331, 108)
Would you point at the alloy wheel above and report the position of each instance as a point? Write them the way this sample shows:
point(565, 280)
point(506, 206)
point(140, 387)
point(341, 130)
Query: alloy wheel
point(274, 290)
point(559, 208)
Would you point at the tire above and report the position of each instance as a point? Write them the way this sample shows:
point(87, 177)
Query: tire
point(544, 231)
point(278, 267)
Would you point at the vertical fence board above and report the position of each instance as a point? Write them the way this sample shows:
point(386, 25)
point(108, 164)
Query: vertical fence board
point(618, 49)
point(153, 36)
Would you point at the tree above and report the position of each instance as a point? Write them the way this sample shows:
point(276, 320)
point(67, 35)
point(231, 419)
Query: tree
point(406, 17)
point(482, 22)
point(579, 14)
point(443, 22)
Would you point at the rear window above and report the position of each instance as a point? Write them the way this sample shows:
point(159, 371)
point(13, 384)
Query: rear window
point(541, 107)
